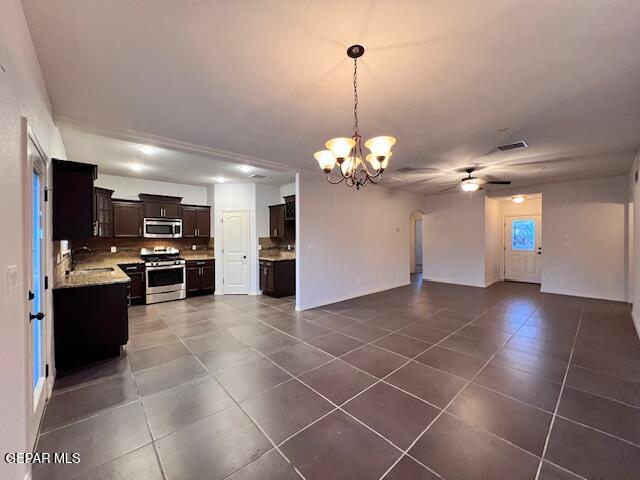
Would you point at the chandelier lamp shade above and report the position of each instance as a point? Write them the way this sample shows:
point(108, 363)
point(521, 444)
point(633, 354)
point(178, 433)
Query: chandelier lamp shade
point(354, 168)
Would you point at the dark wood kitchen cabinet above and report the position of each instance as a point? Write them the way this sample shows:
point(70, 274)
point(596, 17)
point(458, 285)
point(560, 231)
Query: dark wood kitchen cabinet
point(91, 323)
point(201, 276)
point(196, 221)
point(276, 221)
point(137, 286)
point(278, 278)
point(73, 199)
point(161, 206)
point(127, 218)
point(102, 213)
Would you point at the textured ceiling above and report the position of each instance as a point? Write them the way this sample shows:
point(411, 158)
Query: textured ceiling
point(270, 80)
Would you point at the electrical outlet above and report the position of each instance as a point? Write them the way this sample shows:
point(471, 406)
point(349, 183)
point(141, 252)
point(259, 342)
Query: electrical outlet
point(193, 247)
point(12, 277)
point(114, 249)
point(289, 247)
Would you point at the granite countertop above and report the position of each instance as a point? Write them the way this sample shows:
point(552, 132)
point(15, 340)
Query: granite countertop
point(276, 255)
point(83, 276)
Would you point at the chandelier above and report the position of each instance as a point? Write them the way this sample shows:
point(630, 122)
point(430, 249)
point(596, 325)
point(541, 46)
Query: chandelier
point(354, 168)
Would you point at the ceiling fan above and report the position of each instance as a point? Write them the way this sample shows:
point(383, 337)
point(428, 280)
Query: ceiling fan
point(471, 184)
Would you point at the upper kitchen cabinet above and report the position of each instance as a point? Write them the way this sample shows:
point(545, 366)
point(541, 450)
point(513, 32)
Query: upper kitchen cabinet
point(290, 207)
point(127, 218)
point(73, 200)
point(161, 206)
point(276, 221)
point(196, 221)
point(102, 213)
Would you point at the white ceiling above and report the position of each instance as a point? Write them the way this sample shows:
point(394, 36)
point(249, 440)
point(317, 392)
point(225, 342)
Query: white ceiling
point(118, 156)
point(270, 80)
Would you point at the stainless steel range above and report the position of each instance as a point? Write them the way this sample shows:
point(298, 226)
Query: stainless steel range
point(165, 274)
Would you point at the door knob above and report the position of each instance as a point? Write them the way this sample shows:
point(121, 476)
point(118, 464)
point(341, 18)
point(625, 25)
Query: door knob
point(37, 316)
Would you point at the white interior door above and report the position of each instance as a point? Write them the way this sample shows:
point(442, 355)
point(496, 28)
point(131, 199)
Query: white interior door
point(235, 251)
point(36, 295)
point(523, 249)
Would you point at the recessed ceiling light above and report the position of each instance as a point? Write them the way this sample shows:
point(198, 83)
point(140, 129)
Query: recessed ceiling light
point(136, 167)
point(246, 168)
point(518, 199)
point(147, 149)
point(219, 179)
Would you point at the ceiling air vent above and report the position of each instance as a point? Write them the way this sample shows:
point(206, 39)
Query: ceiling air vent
point(406, 170)
point(513, 146)
point(257, 176)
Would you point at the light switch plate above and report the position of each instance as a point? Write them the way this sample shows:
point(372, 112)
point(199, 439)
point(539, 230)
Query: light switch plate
point(12, 277)
point(3, 56)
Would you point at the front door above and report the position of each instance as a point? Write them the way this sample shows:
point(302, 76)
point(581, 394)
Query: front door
point(235, 250)
point(523, 249)
point(36, 295)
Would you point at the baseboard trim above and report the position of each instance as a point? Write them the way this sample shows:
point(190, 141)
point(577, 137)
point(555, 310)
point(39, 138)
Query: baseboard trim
point(349, 297)
point(636, 321)
point(488, 284)
point(450, 282)
point(582, 295)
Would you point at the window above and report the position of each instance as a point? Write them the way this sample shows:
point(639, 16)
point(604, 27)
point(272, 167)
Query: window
point(523, 235)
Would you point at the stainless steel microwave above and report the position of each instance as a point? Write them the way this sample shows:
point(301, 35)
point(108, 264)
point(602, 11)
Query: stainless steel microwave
point(162, 228)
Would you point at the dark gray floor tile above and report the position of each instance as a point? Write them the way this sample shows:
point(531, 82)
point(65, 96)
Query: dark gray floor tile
point(424, 332)
point(73, 405)
point(541, 366)
point(374, 361)
point(591, 454)
point(614, 366)
point(172, 374)
point(250, 332)
point(432, 385)
point(514, 421)
point(300, 358)
point(251, 378)
point(484, 334)
point(541, 348)
point(304, 330)
point(219, 359)
point(270, 466)
point(392, 321)
point(338, 381)
point(98, 439)
point(485, 455)
point(141, 464)
point(471, 346)
point(212, 448)
point(604, 385)
point(402, 345)
point(408, 469)
point(443, 322)
point(181, 406)
point(336, 343)
point(450, 361)
point(146, 340)
point(212, 341)
point(286, 409)
point(273, 342)
point(154, 356)
point(606, 415)
point(500, 321)
point(112, 367)
point(193, 329)
point(548, 471)
point(338, 447)
point(393, 414)
point(334, 321)
point(528, 388)
point(139, 328)
point(365, 332)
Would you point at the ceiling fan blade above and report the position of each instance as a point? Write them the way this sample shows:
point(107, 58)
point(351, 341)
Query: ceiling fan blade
point(498, 182)
point(448, 188)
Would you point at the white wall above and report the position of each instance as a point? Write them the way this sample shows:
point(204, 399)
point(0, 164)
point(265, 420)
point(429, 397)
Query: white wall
point(287, 190)
point(350, 243)
point(584, 238)
point(265, 195)
point(129, 188)
point(236, 196)
point(493, 241)
point(22, 93)
point(634, 251)
point(453, 236)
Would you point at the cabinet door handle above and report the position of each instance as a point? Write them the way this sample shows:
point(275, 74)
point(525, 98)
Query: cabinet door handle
point(139, 231)
point(197, 234)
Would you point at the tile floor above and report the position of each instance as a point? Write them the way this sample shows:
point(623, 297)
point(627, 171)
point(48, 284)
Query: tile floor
point(421, 382)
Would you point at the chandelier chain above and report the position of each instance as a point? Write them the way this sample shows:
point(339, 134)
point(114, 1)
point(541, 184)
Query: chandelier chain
point(355, 96)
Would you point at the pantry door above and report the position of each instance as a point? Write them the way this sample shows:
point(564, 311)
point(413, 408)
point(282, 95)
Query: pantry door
point(235, 252)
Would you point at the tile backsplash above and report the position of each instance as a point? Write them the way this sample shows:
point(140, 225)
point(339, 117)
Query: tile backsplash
point(267, 243)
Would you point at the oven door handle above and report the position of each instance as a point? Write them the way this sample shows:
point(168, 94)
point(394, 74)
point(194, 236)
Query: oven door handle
point(167, 267)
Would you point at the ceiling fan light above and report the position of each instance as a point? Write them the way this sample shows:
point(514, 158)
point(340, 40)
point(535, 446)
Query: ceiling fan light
point(468, 186)
point(518, 198)
point(341, 146)
point(325, 159)
point(376, 163)
point(380, 146)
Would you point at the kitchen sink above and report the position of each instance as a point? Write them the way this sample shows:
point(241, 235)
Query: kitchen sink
point(84, 271)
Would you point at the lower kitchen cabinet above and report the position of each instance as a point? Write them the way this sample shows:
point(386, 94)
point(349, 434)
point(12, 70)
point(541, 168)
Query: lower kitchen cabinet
point(137, 287)
point(201, 275)
point(90, 323)
point(278, 278)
